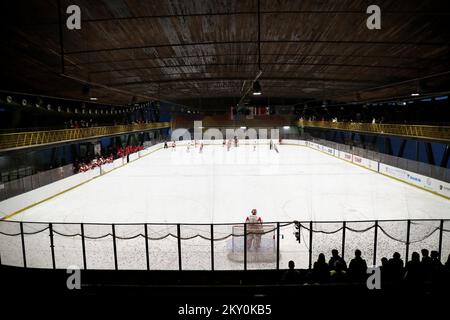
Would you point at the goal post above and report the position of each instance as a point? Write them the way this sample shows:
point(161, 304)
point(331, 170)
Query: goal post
point(260, 242)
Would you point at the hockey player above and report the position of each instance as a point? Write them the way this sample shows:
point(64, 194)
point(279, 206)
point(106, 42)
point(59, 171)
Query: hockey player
point(201, 147)
point(173, 145)
point(275, 148)
point(270, 144)
point(254, 230)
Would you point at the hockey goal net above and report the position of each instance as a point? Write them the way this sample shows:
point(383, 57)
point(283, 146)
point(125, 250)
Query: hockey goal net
point(260, 242)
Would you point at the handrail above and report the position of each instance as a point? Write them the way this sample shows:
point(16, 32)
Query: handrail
point(17, 140)
point(416, 131)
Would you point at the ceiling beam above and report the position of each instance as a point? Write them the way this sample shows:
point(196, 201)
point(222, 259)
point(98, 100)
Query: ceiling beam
point(255, 42)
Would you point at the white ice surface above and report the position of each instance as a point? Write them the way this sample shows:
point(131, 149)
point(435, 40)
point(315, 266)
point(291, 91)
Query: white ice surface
point(221, 187)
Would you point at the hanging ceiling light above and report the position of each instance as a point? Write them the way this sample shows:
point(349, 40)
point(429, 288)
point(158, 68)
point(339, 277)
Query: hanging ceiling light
point(256, 88)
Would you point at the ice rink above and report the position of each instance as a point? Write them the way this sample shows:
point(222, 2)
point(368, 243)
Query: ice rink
point(221, 186)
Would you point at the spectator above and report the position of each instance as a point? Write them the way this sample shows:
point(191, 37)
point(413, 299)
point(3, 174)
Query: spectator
point(413, 269)
point(291, 275)
point(334, 258)
point(321, 270)
point(426, 265)
point(435, 262)
point(437, 269)
point(447, 264)
point(396, 267)
point(385, 272)
point(338, 274)
point(358, 267)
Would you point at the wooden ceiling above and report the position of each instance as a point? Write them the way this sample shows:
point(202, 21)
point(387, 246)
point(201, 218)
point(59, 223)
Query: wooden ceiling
point(178, 49)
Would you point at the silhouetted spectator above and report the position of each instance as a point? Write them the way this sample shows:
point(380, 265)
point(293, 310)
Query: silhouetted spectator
point(321, 270)
point(426, 265)
point(335, 258)
point(435, 262)
point(385, 272)
point(413, 269)
point(291, 275)
point(358, 267)
point(447, 264)
point(338, 274)
point(396, 267)
point(437, 268)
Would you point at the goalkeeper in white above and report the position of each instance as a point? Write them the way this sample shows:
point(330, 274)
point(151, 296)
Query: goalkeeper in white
point(254, 230)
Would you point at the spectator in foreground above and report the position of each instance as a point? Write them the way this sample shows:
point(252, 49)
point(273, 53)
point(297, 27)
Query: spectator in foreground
point(357, 269)
point(291, 275)
point(396, 267)
point(435, 262)
point(385, 272)
point(426, 265)
point(335, 258)
point(338, 274)
point(413, 269)
point(321, 270)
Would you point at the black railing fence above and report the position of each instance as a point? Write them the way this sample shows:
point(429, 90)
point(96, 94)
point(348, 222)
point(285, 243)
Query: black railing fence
point(212, 246)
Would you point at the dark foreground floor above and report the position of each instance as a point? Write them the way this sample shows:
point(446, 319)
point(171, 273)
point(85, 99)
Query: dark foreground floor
point(228, 294)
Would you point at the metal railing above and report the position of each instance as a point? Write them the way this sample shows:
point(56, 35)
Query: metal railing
point(212, 246)
point(416, 131)
point(432, 171)
point(34, 138)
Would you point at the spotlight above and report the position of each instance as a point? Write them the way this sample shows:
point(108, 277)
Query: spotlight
point(93, 99)
point(286, 127)
point(415, 94)
point(256, 88)
point(9, 99)
point(24, 102)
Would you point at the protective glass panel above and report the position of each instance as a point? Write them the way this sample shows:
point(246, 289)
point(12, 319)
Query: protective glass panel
point(226, 245)
point(445, 254)
point(196, 247)
point(11, 244)
point(359, 235)
point(68, 245)
point(262, 246)
point(391, 238)
point(130, 242)
point(163, 247)
point(99, 246)
point(291, 249)
point(37, 245)
point(326, 237)
point(424, 235)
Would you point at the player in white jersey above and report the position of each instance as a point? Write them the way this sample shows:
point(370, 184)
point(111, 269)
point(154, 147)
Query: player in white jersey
point(229, 145)
point(275, 148)
point(173, 145)
point(254, 230)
